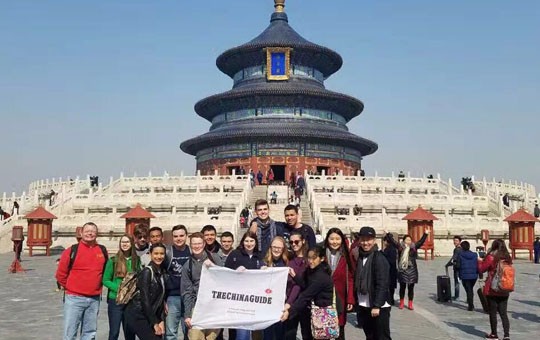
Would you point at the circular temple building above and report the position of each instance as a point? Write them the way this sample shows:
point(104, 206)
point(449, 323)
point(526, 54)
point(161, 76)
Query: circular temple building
point(279, 114)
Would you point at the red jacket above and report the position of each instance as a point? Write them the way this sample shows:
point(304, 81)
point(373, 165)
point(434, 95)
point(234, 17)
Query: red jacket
point(489, 265)
point(86, 275)
point(343, 283)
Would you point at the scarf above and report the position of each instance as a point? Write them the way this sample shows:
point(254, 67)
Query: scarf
point(365, 270)
point(404, 259)
point(333, 265)
point(266, 232)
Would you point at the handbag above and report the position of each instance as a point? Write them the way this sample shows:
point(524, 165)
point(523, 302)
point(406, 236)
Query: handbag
point(324, 321)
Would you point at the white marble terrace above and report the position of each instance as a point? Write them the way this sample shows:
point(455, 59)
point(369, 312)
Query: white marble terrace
point(193, 201)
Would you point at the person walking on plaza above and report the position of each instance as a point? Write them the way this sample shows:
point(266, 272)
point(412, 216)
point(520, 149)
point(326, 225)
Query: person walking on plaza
point(125, 261)
point(298, 265)
point(407, 267)
point(319, 287)
point(191, 277)
point(264, 227)
point(497, 301)
point(452, 263)
point(176, 256)
point(467, 264)
point(536, 248)
point(145, 313)
point(339, 259)
point(371, 285)
point(80, 273)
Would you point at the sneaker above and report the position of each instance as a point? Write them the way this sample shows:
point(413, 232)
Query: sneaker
point(491, 336)
point(506, 338)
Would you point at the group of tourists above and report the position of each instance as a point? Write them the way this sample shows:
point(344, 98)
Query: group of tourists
point(353, 277)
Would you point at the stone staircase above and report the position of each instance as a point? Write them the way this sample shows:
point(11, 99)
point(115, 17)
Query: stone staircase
point(276, 210)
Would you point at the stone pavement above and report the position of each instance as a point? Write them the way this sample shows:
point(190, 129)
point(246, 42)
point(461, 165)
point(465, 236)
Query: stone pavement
point(31, 309)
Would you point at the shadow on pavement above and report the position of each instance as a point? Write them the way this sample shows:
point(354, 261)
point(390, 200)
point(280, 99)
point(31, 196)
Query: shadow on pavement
point(469, 329)
point(528, 302)
point(454, 304)
point(526, 316)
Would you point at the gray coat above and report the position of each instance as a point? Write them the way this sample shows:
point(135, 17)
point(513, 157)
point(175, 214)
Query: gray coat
point(191, 276)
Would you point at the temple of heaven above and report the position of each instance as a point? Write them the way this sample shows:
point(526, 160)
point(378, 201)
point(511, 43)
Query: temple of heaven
point(279, 114)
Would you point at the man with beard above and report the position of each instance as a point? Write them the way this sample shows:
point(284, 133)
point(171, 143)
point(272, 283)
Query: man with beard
point(371, 286)
point(264, 227)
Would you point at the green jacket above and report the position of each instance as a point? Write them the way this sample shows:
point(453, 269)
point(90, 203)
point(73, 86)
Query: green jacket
point(112, 282)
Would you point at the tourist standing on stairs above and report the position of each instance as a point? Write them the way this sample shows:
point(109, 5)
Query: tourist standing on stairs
point(260, 177)
point(339, 259)
point(407, 267)
point(176, 256)
point(264, 227)
point(293, 223)
point(125, 261)
point(453, 262)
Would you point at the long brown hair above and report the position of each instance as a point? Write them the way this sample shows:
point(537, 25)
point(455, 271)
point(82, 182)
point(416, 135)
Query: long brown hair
point(304, 249)
point(269, 258)
point(499, 251)
point(120, 266)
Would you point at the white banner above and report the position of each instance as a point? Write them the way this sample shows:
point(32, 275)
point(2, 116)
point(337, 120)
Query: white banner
point(252, 299)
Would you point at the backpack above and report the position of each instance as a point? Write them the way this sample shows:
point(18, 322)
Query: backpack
point(73, 255)
point(504, 278)
point(128, 287)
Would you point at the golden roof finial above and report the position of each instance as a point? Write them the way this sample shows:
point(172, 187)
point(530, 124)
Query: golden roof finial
point(279, 6)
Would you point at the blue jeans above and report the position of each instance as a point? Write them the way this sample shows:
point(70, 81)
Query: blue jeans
point(243, 334)
point(174, 317)
point(116, 318)
point(456, 284)
point(83, 311)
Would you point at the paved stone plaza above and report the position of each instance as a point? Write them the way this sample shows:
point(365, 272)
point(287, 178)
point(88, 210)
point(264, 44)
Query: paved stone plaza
point(31, 309)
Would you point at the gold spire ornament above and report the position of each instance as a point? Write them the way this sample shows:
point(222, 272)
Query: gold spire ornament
point(279, 6)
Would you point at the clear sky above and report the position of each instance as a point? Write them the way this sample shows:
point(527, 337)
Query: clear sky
point(103, 86)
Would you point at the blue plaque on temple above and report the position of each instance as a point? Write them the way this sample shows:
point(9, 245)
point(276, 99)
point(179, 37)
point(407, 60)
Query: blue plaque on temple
point(278, 64)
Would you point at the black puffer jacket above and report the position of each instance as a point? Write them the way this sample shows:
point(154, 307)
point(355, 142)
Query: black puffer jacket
point(239, 257)
point(151, 292)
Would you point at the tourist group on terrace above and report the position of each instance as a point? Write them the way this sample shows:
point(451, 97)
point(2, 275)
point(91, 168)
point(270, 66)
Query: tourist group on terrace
point(353, 277)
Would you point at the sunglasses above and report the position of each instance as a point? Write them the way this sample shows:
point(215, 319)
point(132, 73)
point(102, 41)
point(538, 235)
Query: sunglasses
point(295, 242)
point(142, 237)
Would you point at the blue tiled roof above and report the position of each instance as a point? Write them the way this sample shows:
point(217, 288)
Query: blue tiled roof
point(279, 34)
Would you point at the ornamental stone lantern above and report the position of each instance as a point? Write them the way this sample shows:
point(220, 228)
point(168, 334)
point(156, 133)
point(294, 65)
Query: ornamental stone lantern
point(40, 230)
point(136, 216)
point(521, 230)
point(418, 222)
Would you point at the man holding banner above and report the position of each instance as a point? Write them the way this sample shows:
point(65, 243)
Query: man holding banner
point(191, 278)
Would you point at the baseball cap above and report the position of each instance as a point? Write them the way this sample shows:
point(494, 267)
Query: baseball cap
point(367, 231)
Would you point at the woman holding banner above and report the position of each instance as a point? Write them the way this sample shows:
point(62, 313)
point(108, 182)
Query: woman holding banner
point(245, 257)
point(298, 265)
point(277, 256)
point(319, 287)
point(337, 254)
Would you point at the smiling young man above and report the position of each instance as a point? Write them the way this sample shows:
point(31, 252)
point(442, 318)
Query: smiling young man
point(155, 236)
point(265, 227)
point(210, 234)
point(177, 255)
point(371, 283)
point(191, 276)
point(294, 224)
